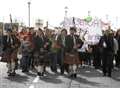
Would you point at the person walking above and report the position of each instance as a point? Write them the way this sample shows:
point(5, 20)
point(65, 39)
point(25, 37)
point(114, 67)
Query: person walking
point(107, 44)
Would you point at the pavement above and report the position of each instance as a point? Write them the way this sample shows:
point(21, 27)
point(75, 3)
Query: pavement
point(88, 77)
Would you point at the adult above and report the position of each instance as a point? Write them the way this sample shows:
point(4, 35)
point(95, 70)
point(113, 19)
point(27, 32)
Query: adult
point(10, 48)
point(73, 42)
point(107, 46)
point(61, 39)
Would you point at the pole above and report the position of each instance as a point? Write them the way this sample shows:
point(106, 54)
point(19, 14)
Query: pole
point(66, 12)
point(47, 24)
point(116, 22)
point(29, 13)
point(89, 13)
point(11, 22)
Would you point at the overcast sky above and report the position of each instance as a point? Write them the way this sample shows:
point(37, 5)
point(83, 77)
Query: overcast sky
point(53, 10)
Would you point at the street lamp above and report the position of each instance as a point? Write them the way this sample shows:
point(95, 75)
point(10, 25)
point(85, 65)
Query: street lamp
point(29, 13)
point(66, 11)
point(89, 13)
point(65, 16)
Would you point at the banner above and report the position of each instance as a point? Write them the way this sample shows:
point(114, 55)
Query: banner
point(93, 26)
point(7, 26)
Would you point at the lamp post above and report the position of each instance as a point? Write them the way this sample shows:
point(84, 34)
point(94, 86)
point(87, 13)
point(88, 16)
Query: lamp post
point(89, 13)
point(66, 11)
point(65, 16)
point(29, 13)
point(116, 22)
point(47, 24)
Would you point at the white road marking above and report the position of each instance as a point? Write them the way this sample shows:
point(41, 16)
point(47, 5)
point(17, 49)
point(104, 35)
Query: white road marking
point(32, 86)
point(87, 71)
point(0, 57)
point(34, 81)
point(99, 70)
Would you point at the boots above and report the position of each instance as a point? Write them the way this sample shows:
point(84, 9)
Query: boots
point(73, 71)
point(11, 69)
point(40, 70)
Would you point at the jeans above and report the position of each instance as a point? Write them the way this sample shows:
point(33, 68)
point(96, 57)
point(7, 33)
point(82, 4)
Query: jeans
point(107, 62)
point(53, 61)
point(25, 61)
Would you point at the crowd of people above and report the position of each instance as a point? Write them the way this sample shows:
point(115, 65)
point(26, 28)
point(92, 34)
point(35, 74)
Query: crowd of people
point(44, 48)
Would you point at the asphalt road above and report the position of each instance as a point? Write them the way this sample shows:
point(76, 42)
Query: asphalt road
point(88, 78)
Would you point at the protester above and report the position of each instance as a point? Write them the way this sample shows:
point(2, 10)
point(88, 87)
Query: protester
point(67, 51)
point(118, 52)
point(73, 42)
point(40, 52)
point(107, 44)
point(26, 54)
point(10, 49)
point(61, 40)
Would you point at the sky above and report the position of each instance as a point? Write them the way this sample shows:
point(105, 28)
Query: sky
point(53, 10)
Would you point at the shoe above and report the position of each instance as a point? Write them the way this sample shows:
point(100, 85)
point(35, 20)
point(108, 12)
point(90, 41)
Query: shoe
point(109, 75)
point(39, 74)
point(25, 71)
point(9, 71)
point(12, 74)
point(75, 75)
point(62, 73)
point(72, 76)
point(55, 71)
point(104, 74)
point(42, 74)
point(9, 74)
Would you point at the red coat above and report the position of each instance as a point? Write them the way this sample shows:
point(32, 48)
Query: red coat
point(22, 35)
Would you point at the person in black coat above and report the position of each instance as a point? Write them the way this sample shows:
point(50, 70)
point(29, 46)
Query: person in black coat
point(107, 45)
point(1, 36)
point(73, 42)
point(118, 52)
point(10, 47)
point(39, 52)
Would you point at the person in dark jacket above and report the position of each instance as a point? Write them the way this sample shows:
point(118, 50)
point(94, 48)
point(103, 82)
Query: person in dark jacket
point(107, 45)
point(118, 52)
point(10, 48)
point(73, 42)
point(39, 52)
point(47, 47)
